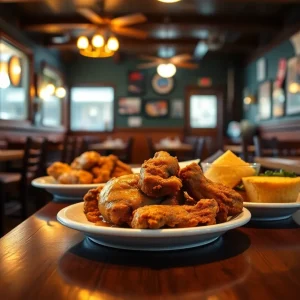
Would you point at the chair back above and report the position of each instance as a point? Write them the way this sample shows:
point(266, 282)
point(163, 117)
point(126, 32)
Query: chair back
point(128, 151)
point(72, 147)
point(200, 146)
point(192, 140)
point(289, 148)
point(150, 146)
point(87, 141)
point(265, 147)
point(34, 159)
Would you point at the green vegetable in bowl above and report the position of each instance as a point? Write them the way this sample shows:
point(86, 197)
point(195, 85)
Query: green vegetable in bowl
point(278, 173)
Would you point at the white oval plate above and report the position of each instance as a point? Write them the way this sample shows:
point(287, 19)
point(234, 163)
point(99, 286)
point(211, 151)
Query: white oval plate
point(147, 239)
point(271, 211)
point(63, 191)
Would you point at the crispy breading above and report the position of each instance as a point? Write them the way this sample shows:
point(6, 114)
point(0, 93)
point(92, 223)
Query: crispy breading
point(58, 168)
point(90, 206)
point(75, 177)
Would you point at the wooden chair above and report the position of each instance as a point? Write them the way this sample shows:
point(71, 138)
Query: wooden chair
point(126, 154)
point(150, 146)
point(87, 141)
point(265, 147)
point(191, 140)
point(288, 148)
point(34, 164)
point(72, 147)
point(200, 147)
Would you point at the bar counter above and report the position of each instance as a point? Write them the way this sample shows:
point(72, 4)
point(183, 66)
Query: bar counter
point(41, 259)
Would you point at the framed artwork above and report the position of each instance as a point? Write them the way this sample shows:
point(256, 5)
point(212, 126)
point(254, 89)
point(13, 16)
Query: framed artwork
point(156, 108)
point(264, 101)
point(261, 69)
point(136, 82)
point(278, 101)
point(293, 86)
point(129, 106)
point(177, 109)
point(162, 86)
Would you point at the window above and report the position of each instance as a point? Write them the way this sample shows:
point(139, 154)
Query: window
point(203, 111)
point(92, 108)
point(14, 82)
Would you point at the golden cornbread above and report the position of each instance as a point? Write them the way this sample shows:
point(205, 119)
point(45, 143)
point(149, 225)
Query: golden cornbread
point(265, 189)
point(229, 170)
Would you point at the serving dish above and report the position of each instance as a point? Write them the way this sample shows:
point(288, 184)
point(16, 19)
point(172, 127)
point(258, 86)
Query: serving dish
point(147, 239)
point(64, 192)
point(271, 211)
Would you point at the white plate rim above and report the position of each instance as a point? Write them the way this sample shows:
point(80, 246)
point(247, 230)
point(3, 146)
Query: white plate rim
point(271, 205)
point(36, 183)
point(239, 220)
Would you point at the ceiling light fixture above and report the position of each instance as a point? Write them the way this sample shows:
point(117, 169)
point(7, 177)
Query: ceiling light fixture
point(166, 70)
point(98, 47)
point(60, 92)
point(169, 1)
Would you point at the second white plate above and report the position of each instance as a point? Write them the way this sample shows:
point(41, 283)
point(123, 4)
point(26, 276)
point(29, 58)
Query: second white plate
point(271, 211)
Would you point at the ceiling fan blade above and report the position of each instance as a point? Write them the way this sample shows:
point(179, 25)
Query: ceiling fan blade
point(91, 15)
point(187, 65)
point(180, 58)
point(129, 20)
point(153, 58)
point(201, 49)
point(131, 32)
point(148, 65)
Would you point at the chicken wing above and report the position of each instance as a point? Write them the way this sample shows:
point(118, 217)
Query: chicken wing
point(121, 169)
point(198, 187)
point(75, 177)
point(90, 206)
point(86, 160)
point(103, 170)
point(120, 197)
point(158, 175)
point(57, 168)
point(158, 216)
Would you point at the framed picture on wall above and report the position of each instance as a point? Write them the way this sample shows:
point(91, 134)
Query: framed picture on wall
point(156, 108)
point(136, 82)
point(278, 101)
point(293, 86)
point(129, 106)
point(264, 101)
point(177, 108)
point(162, 86)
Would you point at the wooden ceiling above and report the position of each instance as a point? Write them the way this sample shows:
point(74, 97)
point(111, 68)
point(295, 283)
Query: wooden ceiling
point(242, 25)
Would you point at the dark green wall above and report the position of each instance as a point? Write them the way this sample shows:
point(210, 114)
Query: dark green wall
point(88, 70)
point(284, 50)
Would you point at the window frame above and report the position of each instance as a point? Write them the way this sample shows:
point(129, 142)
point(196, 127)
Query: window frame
point(87, 85)
point(31, 88)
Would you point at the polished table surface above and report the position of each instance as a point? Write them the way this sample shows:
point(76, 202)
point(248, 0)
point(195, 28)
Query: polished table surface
point(290, 164)
point(41, 259)
point(8, 155)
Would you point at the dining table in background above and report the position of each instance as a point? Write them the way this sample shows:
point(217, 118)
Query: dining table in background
point(42, 259)
point(107, 148)
point(10, 155)
point(290, 164)
point(174, 148)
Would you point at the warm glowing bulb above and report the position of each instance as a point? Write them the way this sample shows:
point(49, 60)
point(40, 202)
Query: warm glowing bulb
point(169, 1)
point(98, 41)
point(247, 100)
point(166, 70)
point(60, 92)
point(82, 42)
point(43, 93)
point(50, 89)
point(4, 80)
point(16, 70)
point(113, 43)
point(294, 88)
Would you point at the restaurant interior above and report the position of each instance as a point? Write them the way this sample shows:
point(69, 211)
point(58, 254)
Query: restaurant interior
point(119, 81)
point(133, 77)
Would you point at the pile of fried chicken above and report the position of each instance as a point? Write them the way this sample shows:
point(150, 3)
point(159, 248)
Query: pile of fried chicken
point(89, 167)
point(162, 196)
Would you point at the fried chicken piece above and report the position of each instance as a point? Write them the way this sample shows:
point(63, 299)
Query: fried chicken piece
point(57, 168)
point(198, 186)
point(177, 199)
point(120, 197)
point(102, 172)
point(158, 175)
point(90, 206)
point(121, 169)
point(75, 177)
point(86, 160)
point(158, 216)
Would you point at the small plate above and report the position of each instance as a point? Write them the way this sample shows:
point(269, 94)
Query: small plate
point(64, 192)
point(271, 211)
point(147, 239)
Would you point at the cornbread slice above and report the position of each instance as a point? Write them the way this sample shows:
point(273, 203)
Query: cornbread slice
point(229, 170)
point(264, 189)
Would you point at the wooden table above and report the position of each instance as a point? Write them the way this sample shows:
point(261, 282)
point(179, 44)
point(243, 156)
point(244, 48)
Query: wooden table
point(107, 148)
point(41, 259)
point(173, 149)
point(239, 149)
point(290, 164)
point(8, 155)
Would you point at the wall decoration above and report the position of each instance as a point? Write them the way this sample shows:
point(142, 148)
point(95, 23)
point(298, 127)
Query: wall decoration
point(129, 105)
point(264, 101)
point(177, 109)
point(136, 82)
point(278, 100)
point(261, 69)
point(293, 86)
point(156, 108)
point(134, 121)
point(162, 86)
